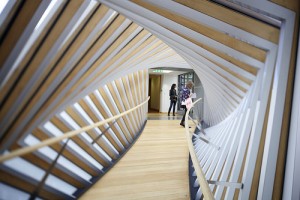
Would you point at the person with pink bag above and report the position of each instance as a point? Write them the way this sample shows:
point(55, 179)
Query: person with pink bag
point(186, 100)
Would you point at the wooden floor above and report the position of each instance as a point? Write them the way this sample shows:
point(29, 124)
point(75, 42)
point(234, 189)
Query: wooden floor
point(156, 167)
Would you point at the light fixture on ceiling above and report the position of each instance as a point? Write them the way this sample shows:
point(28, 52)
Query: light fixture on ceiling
point(161, 71)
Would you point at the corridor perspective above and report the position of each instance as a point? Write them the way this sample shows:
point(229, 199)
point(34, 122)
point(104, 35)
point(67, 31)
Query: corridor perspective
point(85, 94)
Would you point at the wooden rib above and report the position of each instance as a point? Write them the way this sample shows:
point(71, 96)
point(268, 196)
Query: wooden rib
point(251, 69)
point(70, 76)
point(131, 100)
point(14, 32)
point(81, 123)
point(146, 79)
point(138, 91)
point(79, 141)
point(9, 19)
point(120, 108)
point(112, 126)
point(65, 81)
point(138, 53)
point(44, 165)
point(26, 186)
point(70, 134)
point(56, 31)
point(27, 75)
point(129, 30)
point(108, 69)
point(144, 56)
point(16, 76)
point(234, 18)
point(124, 98)
point(39, 134)
point(137, 86)
point(100, 141)
point(60, 66)
point(132, 84)
point(242, 78)
point(98, 44)
point(112, 110)
point(207, 31)
point(232, 82)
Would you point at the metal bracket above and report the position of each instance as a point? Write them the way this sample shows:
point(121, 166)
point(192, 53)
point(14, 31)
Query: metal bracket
point(227, 184)
point(103, 133)
point(207, 141)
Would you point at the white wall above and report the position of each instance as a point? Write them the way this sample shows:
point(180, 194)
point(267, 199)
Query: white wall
point(167, 81)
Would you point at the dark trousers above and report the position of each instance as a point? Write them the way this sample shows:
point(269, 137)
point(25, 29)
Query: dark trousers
point(172, 103)
point(183, 117)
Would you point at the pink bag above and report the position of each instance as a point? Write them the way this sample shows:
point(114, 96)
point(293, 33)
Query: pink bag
point(188, 103)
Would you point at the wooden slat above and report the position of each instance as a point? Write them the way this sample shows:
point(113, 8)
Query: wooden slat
point(61, 65)
point(124, 98)
point(113, 112)
point(131, 100)
point(21, 20)
point(9, 19)
point(129, 30)
point(19, 183)
point(55, 32)
point(118, 103)
point(238, 76)
point(251, 69)
point(108, 70)
point(66, 153)
point(232, 82)
point(44, 165)
point(14, 78)
point(71, 75)
point(207, 31)
point(138, 90)
point(79, 141)
point(136, 54)
point(146, 85)
point(236, 19)
point(100, 141)
point(113, 128)
point(94, 48)
point(132, 84)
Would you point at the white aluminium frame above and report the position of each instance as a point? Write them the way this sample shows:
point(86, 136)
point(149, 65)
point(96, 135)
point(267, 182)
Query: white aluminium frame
point(291, 188)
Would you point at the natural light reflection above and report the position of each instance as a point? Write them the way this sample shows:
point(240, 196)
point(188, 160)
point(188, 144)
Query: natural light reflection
point(2, 5)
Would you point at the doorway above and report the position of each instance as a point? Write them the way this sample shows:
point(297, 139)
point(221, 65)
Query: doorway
point(154, 93)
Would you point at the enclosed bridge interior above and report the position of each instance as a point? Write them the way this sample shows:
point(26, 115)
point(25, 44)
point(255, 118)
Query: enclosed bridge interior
point(68, 64)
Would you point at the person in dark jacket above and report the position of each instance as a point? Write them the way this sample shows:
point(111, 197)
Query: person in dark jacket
point(173, 99)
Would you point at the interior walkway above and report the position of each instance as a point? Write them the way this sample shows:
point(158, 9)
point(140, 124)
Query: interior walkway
point(156, 167)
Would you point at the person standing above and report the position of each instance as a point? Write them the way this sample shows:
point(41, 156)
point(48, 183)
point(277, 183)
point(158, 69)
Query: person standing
point(186, 93)
point(173, 99)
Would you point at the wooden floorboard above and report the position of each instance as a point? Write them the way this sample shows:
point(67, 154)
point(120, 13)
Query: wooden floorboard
point(156, 167)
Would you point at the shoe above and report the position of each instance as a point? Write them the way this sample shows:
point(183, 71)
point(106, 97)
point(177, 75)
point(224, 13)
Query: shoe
point(181, 124)
point(168, 114)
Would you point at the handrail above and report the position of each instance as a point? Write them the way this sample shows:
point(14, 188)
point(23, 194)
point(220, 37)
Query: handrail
point(200, 175)
point(69, 134)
